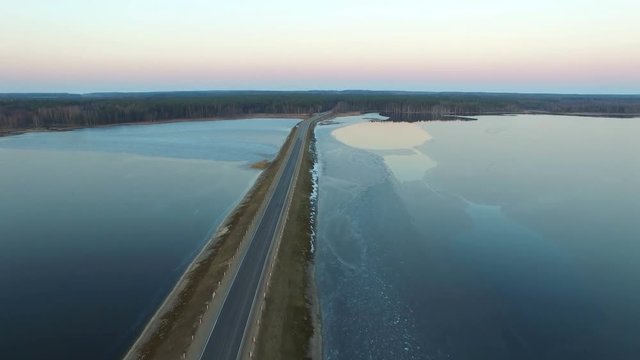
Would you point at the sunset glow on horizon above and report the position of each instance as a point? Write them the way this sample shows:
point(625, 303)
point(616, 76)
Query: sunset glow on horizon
point(565, 46)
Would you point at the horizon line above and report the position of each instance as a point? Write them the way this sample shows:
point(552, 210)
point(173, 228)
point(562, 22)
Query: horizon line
point(203, 91)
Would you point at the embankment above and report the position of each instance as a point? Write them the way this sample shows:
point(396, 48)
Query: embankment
point(169, 333)
point(292, 322)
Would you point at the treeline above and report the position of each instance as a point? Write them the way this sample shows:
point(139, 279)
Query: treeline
point(68, 111)
point(462, 104)
point(51, 111)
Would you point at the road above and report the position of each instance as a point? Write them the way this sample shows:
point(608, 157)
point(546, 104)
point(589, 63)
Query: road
point(225, 339)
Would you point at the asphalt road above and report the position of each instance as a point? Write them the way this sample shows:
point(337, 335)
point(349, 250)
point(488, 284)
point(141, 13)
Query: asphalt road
point(228, 329)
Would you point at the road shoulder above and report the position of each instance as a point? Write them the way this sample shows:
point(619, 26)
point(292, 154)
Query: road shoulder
point(195, 300)
point(290, 308)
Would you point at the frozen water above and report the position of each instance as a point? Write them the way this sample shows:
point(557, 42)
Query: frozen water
point(502, 238)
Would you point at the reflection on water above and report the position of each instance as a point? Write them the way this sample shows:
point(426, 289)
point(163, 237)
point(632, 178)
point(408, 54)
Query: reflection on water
point(409, 167)
point(389, 140)
point(502, 238)
point(382, 135)
point(96, 225)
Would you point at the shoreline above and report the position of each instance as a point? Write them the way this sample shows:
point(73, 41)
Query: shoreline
point(418, 116)
point(291, 306)
point(464, 117)
point(16, 132)
point(169, 333)
point(315, 343)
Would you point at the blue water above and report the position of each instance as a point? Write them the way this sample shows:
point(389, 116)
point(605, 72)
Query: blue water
point(510, 237)
point(96, 225)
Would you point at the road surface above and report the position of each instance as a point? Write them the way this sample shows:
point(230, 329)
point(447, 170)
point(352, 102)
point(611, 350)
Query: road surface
point(225, 338)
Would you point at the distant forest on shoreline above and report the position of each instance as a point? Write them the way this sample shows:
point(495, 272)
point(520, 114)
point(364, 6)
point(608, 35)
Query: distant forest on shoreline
point(20, 112)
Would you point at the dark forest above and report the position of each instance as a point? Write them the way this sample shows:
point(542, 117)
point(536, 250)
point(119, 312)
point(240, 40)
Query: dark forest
point(19, 112)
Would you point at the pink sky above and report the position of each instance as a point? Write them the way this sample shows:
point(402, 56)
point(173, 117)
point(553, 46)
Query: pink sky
point(569, 46)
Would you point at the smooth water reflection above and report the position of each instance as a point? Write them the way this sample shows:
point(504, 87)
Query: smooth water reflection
point(96, 225)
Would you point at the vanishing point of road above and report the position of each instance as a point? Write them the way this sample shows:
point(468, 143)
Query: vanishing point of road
point(226, 336)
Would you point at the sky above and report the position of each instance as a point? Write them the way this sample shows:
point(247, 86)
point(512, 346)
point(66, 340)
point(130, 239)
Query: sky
point(559, 46)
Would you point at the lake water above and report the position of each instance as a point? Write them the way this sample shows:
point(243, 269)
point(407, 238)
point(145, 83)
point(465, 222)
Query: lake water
point(509, 237)
point(97, 225)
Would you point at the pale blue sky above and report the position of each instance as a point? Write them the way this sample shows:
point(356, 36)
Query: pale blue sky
point(495, 45)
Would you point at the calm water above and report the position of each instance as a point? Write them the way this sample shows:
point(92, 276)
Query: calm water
point(510, 237)
point(96, 225)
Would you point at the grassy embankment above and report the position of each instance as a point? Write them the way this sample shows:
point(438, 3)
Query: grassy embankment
point(261, 165)
point(288, 312)
point(171, 334)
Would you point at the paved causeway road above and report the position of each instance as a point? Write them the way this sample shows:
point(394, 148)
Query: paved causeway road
point(226, 336)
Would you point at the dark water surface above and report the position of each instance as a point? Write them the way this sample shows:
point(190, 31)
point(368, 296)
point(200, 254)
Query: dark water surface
point(510, 237)
point(96, 225)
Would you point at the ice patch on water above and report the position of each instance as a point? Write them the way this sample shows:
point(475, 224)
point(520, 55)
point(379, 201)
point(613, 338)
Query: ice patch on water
point(372, 318)
point(396, 143)
point(313, 197)
point(364, 313)
point(381, 135)
point(409, 167)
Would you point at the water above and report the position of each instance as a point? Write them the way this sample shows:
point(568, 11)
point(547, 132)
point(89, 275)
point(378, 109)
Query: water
point(96, 225)
point(510, 237)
